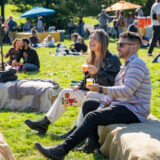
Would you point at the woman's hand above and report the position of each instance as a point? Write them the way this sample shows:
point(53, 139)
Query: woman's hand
point(93, 87)
point(14, 63)
point(92, 69)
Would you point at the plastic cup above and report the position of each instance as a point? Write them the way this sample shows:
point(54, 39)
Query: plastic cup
point(85, 67)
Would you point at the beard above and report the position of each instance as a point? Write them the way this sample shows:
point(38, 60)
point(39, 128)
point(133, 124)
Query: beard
point(124, 54)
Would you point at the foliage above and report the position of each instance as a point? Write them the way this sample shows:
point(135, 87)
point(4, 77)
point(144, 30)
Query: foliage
point(73, 8)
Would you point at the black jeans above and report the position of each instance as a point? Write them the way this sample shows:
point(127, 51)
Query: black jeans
point(155, 38)
point(93, 118)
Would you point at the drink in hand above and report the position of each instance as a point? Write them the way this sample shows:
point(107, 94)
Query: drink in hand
point(89, 81)
point(85, 67)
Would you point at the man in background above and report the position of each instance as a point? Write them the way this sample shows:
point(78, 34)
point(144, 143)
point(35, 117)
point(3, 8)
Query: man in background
point(12, 28)
point(155, 15)
point(27, 26)
point(103, 20)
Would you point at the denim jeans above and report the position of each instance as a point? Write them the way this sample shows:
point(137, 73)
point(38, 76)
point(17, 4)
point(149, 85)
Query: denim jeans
point(29, 67)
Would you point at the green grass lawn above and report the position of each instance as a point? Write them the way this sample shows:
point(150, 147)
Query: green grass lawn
point(63, 70)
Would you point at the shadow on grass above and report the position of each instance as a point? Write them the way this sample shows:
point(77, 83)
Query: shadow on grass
point(99, 157)
point(31, 72)
point(16, 111)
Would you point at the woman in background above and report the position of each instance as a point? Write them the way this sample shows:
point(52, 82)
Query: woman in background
point(14, 51)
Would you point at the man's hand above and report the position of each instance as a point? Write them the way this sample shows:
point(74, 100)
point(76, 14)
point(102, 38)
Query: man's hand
point(75, 87)
point(92, 69)
point(93, 87)
point(105, 103)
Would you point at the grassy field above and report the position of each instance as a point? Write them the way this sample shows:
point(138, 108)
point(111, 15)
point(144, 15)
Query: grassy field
point(63, 70)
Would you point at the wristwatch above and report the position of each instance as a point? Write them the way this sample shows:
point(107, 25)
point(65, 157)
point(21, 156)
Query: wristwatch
point(100, 89)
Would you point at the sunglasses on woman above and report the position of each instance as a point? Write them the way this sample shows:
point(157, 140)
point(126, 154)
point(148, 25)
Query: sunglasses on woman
point(121, 45)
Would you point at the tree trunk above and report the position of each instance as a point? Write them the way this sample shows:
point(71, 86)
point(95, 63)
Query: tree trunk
point(2, 10)
point(47, 3)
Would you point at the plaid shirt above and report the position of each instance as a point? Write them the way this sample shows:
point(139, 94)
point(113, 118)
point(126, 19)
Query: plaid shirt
point(132, 88)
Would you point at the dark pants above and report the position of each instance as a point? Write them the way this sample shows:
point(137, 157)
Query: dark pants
point(93, 118)
point(155, 38)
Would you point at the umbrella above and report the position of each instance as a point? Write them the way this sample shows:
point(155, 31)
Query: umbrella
point(38, 11)
point(122, 5)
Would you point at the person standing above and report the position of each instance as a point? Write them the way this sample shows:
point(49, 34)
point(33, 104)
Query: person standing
point(39, 24)
point(115, 23)
point(70, 26)
point(12, 28)
point(155, 15)
point(121, 22)
point(27, 26)
point(81, 27)
point(139, 12)
point(103, 20)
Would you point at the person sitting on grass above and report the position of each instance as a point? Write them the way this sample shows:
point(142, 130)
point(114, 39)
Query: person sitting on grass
point(14, 51)
point(30, 58)
point(74, 38)
point(48, 42)
point(102, 66)
point(34, 40)
point(128, 101)
point(134, 28)
point(79, 46)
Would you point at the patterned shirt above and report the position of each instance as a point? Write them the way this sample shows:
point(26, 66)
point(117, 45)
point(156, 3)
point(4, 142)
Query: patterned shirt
point(132, 88)
point(12, 53)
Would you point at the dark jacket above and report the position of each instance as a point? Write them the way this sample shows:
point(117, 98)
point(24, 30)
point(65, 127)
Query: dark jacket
point(31, 57)
point(12, 53)
point(106, 75)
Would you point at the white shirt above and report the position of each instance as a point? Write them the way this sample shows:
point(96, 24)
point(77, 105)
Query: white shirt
point(155, 9)
point(39, 24)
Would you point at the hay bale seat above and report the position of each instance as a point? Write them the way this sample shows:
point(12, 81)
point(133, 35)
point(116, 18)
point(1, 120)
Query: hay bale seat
point(46, 98)
point(139, 141)
point(5, 152)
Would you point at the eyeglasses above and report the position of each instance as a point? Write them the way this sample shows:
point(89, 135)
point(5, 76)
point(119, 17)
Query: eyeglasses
point(121, 45)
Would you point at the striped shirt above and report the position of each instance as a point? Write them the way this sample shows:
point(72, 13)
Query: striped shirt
point(132, 88)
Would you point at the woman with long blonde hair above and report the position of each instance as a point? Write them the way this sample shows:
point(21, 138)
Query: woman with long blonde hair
point(103, 66)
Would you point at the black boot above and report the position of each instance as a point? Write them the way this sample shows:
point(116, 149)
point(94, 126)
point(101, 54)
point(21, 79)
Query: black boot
point(90, 146)
point(68, 133)
point(54, 153)
point(41, 126)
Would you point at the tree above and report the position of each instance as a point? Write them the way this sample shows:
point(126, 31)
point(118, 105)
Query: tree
point(72, 8)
